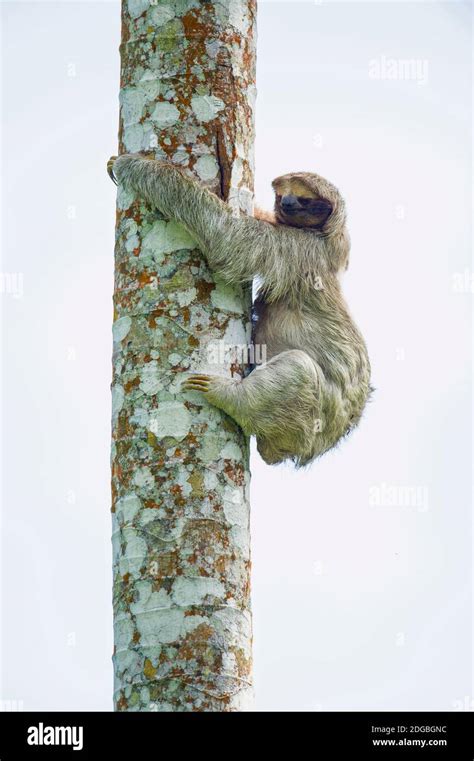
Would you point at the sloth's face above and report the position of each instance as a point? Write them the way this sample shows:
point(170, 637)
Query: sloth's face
point(299, 211)
point(298, 206)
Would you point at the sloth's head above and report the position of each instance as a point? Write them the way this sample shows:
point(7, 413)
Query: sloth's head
point(307, 200)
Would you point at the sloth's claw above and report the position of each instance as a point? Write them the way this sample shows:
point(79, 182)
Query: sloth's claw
point(110, 168)
point(195, 387)
point(197, 383)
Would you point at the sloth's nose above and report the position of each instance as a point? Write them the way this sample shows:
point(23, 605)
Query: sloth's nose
point(290, 204)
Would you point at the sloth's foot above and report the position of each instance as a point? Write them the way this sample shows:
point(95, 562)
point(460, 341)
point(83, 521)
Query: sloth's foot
point(110, 168)
point(219, 391)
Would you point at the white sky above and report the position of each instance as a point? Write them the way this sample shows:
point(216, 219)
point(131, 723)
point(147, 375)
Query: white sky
point(356, 606)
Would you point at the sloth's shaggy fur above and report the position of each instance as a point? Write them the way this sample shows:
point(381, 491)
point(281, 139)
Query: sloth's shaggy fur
point(312, 390)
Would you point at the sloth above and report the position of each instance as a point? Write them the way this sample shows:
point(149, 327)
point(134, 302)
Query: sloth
point(313, 387)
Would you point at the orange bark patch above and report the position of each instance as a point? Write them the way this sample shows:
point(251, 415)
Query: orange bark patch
point(235, 472)
point(129, 385)
point(204, 290)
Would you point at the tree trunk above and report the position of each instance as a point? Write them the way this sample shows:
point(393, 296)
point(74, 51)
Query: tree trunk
point(180, 473)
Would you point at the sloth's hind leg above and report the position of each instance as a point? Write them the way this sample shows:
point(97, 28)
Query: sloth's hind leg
point(278, 402)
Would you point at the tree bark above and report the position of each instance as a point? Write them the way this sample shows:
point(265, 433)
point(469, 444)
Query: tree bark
point(180, 473)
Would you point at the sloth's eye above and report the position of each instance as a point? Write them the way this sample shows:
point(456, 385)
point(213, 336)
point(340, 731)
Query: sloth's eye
point(305, 201)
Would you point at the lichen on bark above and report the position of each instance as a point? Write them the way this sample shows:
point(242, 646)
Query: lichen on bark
point(180, 473)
